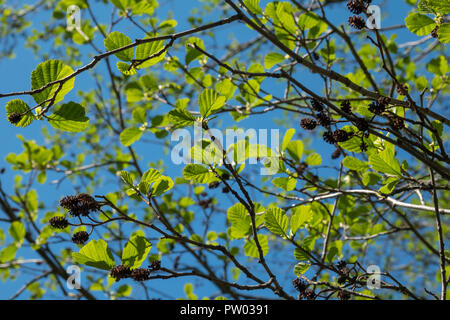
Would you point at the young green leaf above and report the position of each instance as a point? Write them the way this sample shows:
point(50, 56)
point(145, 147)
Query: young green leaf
point(47, 72)
point(285, 183)
point(198, 173)
point(70, 117)
point(136, 250)
point(419, 24)
point(130, 136)
point(354, 164)
point(17, 231)
point(300, 216)
point(210, 101)
point(251, 250)
point(116, 40)
point(95, 254)
point(272, 59)
point(149, 49)
point(276, 221)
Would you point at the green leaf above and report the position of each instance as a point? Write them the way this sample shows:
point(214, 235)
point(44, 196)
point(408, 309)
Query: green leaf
point(127, 178)
point(370, 178)
point(210, 101)
point(276, 221)
point(438, 66)
point(181, 117)
point(198, 173)
point(272, 59)
point(314, 159)
point(444, 33)
point(95, 254)
point(8, 253)
point(300, 216)
point(192, 53)
point(308, 20)
point(162, 185)
point(116, 40)
point(389, 186)
point(301, 255)
point(251, 250)
point(287, 138)
point(300, 268)
point(136, 250)
point(70, 117)
point(18, 106)
point(253, 6)
point(240, 221)
point(424, 7)
point(125, 68)
point(439, 6)
point(151, 176)
point(295, 149)
point(355, 164)
point(47, 72)
point(285, 183)
point(130, 136)
point(17, 231)
point(420, 24)
point(385, 162)
point(148, 49)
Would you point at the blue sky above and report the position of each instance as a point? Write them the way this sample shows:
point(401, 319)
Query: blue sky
point(16, 77)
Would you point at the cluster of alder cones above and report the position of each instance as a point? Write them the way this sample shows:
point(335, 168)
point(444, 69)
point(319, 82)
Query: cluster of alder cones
point(378, 108)
point(78, 205)
point(357, 7)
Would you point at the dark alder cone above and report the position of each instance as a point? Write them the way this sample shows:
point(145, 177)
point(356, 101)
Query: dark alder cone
point(397, 123)
point(402, 89)
point(156, 265)
point(434, 33)
point(357, 22)
point(203, 194)
point(362, 124)
point(377, 108)
point(315, 56)
point(80, 237)
point(323, 119)
point(225, 190)
point(383, 100)
point(205, 203)
point(59, 222)
point(120, 272)
point(14, 117)
point(343, 271)
point(140, 274)
point(341, 135)
point(301, 168)
point(308, 123)
point(225, 176)
point(308, 294)
point(328, 137)
point(346, 107)
point(336, 154)
point(317, 105)
point(299, 284)
point(343, 295)
point(213, 184)
point(81, 204)
point(356, 6)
